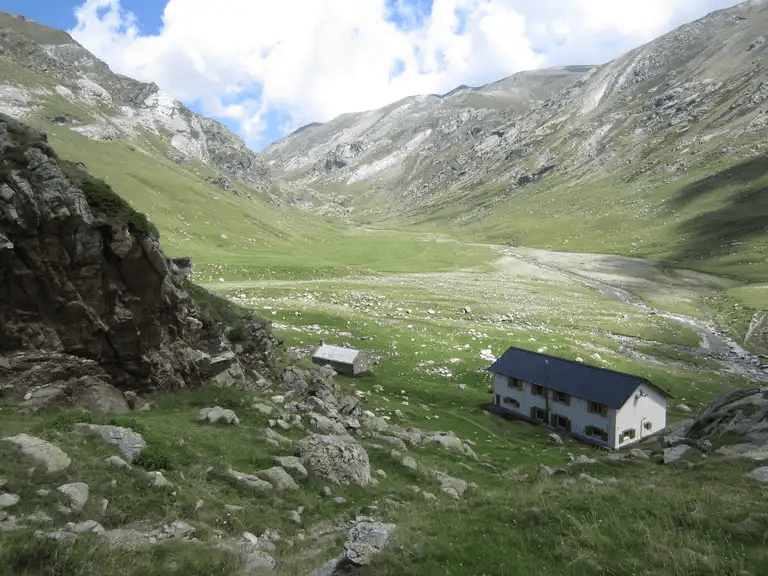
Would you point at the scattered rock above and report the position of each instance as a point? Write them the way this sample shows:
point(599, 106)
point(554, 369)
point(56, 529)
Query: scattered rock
point(638, 454)
point(364, 540)
point(253, 482)
point(705, 446)
point(675, 453)
point(157, 479)
point(555, 439)
point(591, 480)
point(262, 408)
point(77, 492)
point(292, 465)
point(454, 487)
point(338, 459)
point(409, 462)
point(116, 463)
point(276, 439)
point(86, 526)
point(217, 414)
point(47, 454)
point(257, 560)
point(759, 474)
point(129, 442)
point(7, 500)
point(180, 530)
point(279, 478)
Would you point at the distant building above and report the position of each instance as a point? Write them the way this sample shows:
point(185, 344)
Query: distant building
point(183, 264)
point(598, 405)
point(349, 361)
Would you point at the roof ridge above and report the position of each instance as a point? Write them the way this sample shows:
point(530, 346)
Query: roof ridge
point(576, 363)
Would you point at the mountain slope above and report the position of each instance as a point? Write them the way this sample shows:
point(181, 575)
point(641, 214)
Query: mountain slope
point(641, 155)
point(111, 106)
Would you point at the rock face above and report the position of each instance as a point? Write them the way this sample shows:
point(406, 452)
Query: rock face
point(338, 459)
point(742, 413)
point(82, 276)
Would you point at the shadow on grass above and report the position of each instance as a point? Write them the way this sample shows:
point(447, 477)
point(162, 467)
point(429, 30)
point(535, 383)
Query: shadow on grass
point(744, 215)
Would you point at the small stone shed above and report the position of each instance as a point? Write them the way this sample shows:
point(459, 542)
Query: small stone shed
point(344, 360)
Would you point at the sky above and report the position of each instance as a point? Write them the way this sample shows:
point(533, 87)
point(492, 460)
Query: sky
point(267, 67)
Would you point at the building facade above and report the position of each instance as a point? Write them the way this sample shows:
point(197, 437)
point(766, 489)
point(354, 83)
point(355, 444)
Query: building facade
point(601, 406)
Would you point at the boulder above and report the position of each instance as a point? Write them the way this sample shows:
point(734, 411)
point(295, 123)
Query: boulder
point(454, 487)
point(292, 465)
point(262, 408)
point(337, 459)
point(279, 478)
point(250, 481)
point(325, 425)
point(157, 480)
point(77, 492)
point(364, 540)
point(555, 439)
point(116, 463)
point(256, 560)
point(129, 442)
point(49, 455)
point(7, 500)
point(277, 439)
point(674, 453)
point(217, 414)
point(759, 475)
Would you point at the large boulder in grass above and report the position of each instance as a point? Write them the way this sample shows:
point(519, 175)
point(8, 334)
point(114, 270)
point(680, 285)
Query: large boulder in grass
point(50, 456)
point(337, 459)
point(217, 414)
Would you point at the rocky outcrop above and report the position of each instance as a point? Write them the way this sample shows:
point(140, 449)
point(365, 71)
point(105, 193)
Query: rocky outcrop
point(741, 415)
point(83, 276)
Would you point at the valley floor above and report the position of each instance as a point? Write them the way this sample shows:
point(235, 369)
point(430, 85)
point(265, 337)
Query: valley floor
point(624, 313)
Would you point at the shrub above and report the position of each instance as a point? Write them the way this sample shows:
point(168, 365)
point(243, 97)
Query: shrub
point(66, 419)
point(155, 457)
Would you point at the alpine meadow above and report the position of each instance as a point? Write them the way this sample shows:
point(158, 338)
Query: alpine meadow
point(612, 218)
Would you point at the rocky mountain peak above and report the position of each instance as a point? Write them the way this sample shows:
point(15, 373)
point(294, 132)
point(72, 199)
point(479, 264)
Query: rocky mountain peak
point(117, 107)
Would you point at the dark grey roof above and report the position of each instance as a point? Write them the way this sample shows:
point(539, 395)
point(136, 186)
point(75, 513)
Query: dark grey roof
point(594, 383)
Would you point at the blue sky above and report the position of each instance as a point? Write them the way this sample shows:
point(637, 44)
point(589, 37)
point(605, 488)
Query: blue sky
point(265, 68)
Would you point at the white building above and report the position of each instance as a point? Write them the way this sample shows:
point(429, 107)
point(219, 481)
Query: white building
point(601, 406)
point(349, 361)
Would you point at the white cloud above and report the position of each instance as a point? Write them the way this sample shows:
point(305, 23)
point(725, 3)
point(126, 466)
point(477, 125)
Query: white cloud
point(314, 59)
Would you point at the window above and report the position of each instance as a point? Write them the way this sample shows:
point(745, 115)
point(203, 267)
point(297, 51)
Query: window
point(597, 408)
point(627, 434)
point(539, 414)
point(593, 431)
point(515, 383)
point(538, 390)
point(560, 422)
point(648, 425)
point(498, 398)
point(512, 401)
point(561, 397)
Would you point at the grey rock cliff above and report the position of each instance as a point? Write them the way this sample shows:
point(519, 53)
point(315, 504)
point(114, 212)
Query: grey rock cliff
point(75, 284)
